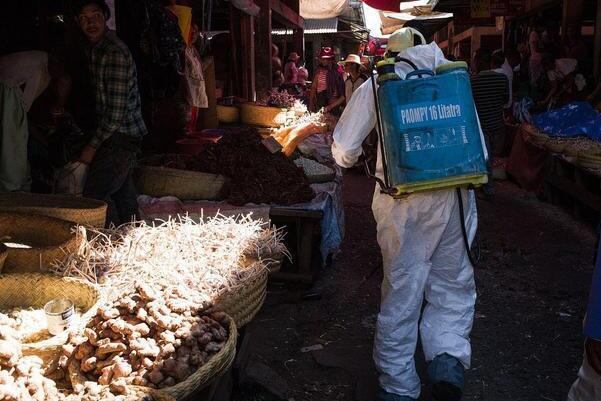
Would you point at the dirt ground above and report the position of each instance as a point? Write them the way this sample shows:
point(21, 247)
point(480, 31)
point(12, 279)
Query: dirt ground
point(532, 281)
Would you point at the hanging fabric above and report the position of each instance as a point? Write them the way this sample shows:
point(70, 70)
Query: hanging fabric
point(320, 9)
point(194, 80)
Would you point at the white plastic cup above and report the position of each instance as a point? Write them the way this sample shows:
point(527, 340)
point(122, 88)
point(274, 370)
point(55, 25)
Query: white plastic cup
point(59, 314)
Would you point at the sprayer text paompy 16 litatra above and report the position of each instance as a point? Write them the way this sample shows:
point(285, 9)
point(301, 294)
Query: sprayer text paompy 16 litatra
point(429, 131)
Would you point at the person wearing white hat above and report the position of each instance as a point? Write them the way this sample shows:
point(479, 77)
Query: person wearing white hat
point(423, 253)
point(353, 67)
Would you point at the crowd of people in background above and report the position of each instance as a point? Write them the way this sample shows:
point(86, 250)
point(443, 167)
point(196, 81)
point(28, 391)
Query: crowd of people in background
point(73, 116)
point(332, 84)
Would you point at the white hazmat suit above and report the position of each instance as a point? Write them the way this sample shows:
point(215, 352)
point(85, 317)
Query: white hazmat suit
point(423, 254)
point(588, 385)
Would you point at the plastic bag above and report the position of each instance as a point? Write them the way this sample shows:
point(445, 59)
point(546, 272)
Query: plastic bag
point(425, 57)
point(574, 119)
point(521, 110)
point(71, 179)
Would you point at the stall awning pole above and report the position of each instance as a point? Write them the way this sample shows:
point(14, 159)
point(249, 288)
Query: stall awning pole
point(597, 46)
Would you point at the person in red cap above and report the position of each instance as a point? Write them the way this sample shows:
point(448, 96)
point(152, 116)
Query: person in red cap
point(327, 90)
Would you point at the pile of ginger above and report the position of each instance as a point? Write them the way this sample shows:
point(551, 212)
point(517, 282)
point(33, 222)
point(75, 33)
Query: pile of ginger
point(150, 337)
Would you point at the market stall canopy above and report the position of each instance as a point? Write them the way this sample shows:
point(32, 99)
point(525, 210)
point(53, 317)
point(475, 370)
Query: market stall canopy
point(345, 28)
point(394, 5)
point(416, 14)
point(320, 9)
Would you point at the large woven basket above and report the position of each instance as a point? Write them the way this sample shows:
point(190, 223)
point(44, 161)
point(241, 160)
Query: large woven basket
point(589, 160)
point(183, 184)
point(556, 146)
point(228, 114)
point(215, 367)
point(150, 394)
point(274, 262)
point(243, 302)
point(262, 116)
point(34, 290)
point(570, 150)
point(50, 240)
point(535, 136)
point(3, 255)
point(84, 211)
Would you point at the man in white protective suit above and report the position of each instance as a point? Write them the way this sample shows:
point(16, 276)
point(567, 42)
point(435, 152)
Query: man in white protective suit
point(424, 254)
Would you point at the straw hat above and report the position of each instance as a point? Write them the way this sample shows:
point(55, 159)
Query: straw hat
point(352, 58)
point(293, 56)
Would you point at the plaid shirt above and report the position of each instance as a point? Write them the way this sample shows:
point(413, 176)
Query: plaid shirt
point(118, 105)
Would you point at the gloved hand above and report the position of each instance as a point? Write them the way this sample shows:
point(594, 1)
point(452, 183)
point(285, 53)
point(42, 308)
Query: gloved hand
point(593, 354)
point(344, 158)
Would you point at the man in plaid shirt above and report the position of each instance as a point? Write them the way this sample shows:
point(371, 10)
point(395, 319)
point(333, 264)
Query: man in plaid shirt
point(111, 153)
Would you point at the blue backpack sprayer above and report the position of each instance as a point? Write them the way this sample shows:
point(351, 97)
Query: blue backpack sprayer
point(428, 131)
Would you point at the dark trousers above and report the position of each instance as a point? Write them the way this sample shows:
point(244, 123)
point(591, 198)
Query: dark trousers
point(110, 179)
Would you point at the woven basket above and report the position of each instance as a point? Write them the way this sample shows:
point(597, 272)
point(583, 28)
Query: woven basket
point(50, 240)
point(594, 153)
point(228, 114)
point(3, 255)
point(215, 367)
point(183, 184)
point(273, 262)
point(243, 302)
point(571, 150)
point(34, 290)
point(530, 129)
point(588, 162)
point(89, 212)
point(535, 136)
point(556, 146)
point(590, 156)
point(263, 116)
point(150, 394)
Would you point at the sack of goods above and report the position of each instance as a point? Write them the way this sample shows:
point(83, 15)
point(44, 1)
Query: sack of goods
point(71, 179)
point(430, 132)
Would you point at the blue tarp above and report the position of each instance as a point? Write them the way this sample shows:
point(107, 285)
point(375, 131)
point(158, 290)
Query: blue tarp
point(574, 119)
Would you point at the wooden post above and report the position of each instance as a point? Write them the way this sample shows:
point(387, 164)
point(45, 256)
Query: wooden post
point(263, 47)
point(299, 42)
point(236, 61)
point(475, 42)
point(43, 21)
point(247, 31)
point(450, 34)
point(572, 16)
point(597, 43)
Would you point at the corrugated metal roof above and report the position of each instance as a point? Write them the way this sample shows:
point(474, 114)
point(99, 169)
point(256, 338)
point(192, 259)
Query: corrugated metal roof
point(312, 26)
point(326, 25)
